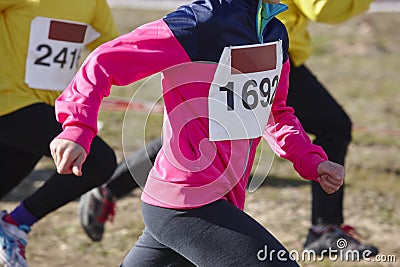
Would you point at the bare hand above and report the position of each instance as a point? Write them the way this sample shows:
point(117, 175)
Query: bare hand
point(331, 176)
point(68, 156)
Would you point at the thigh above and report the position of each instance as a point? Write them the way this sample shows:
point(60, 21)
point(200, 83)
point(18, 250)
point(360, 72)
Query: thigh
point(148, 252)
point(133, 171)
point(315, 107)
point(218, 234)
point(15, 165)
point(30, 129)
point(101, 159)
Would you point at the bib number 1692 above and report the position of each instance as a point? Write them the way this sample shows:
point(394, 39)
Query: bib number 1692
point(263, 96)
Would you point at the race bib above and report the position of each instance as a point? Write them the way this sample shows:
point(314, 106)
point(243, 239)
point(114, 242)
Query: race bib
point(241, 95)
point(54, 51)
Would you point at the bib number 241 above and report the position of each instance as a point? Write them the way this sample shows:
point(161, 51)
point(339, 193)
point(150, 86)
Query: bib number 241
point(63, 57)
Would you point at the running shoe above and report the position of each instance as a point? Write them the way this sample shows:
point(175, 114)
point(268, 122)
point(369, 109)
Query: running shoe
point(338, 238)
point(13, 240)
point(95, 208)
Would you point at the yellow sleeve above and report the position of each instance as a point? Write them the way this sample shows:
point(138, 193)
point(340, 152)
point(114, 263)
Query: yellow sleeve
point(332, 11)
point(104, 24)
point(4, 4)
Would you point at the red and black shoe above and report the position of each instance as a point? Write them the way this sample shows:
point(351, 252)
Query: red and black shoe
point(338, 239)
point(95, 208)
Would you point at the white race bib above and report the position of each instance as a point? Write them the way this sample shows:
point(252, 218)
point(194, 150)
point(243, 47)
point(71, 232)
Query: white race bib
point(241, 95)
point(54, 51)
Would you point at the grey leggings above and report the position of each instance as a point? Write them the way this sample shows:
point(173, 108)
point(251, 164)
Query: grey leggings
point(216, 235)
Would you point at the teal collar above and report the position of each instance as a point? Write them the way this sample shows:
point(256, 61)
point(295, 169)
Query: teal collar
point(267, 12)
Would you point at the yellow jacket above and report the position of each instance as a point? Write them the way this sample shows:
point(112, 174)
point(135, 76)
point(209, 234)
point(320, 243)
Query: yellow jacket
point(301, 12)
point(16, 18)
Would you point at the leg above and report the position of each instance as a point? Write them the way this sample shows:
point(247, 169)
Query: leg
point(18, 144)
point(31, 129)
point(15, 166)
point(322, 116)
point(97, 205)
point(61, 189)
point(134, 170)
point(148, 252)
point(218, 234)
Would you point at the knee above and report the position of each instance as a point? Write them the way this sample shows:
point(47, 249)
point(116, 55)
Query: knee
point(338, 132)
point(101, 163)
point(341, 128)
point(346, 128)
point(106, 167)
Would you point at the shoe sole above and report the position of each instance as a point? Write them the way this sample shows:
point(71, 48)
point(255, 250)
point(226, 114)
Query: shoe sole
point(83, 209)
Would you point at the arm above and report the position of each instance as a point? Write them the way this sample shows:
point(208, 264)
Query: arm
point(122, 61)
point(332, 11)
point(4, 4)
point(288, 139)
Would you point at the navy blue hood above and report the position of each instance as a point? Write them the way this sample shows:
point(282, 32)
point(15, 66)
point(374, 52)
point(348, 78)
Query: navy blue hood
point(205, 27)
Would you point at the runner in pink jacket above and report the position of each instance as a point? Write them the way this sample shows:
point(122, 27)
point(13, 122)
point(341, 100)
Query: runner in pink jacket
point(224, 86)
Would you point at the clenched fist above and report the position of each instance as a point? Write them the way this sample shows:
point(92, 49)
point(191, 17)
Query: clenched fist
point(331, 176)
point(68, 156)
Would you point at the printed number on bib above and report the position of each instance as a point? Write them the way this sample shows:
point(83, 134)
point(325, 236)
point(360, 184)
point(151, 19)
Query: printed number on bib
point(65, 58)
point(54, 51)
point(243, 90)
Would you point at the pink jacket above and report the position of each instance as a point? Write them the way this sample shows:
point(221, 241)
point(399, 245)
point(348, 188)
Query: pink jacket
point(190, 170)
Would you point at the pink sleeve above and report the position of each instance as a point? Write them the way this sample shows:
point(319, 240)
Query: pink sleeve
point(287, 137)
point(149, 49)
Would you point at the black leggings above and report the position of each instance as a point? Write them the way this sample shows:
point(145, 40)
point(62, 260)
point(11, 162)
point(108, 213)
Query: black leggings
point(25, 136)
point(134, 170)
point(218, 234)
point(322, 116)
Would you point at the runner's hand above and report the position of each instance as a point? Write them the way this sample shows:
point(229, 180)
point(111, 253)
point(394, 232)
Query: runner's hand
point(331, 176)
point(68, 156)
